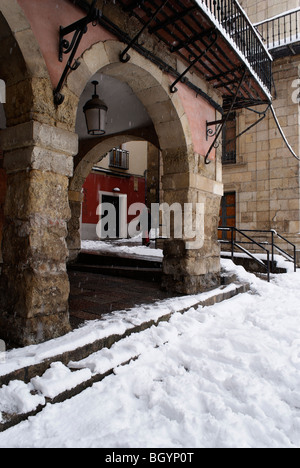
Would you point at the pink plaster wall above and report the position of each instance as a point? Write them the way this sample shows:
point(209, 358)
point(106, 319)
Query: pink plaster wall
point(198, 112)
point(46, 17)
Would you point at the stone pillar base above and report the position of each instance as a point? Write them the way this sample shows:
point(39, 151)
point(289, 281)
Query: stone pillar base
point(21, 331)
point(190, 271)
point(190, 285)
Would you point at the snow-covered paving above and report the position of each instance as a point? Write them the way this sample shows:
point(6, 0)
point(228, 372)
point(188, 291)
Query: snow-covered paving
point(220, 376)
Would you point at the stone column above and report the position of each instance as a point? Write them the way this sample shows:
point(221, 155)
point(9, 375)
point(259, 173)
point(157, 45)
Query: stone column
point(192, 264)
point(74, 238)
point(34, 282)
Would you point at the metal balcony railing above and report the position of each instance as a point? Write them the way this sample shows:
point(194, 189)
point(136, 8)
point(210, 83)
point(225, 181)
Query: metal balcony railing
point(231, 17)
point(281, 30)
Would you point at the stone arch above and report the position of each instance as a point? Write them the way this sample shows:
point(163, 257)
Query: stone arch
point(152, 87)
point(82, 170)
point(23, 68)
point(96, 154)
point(149, 84)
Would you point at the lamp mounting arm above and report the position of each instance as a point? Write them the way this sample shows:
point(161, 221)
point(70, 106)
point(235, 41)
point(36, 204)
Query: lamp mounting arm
point(79, 28)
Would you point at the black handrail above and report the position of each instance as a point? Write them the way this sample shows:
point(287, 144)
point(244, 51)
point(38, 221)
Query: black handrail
point(233, 19)
point(292, 258)
point(234, 244)
point(272, 244)
point(280, 30)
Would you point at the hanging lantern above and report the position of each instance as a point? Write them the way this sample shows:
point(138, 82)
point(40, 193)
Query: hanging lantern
point(95, 114)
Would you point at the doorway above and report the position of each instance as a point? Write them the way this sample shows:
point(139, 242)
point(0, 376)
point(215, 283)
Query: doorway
point(227, 214)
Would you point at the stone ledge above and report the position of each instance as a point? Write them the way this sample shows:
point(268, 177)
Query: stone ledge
point(44, 136)
point(36, 158)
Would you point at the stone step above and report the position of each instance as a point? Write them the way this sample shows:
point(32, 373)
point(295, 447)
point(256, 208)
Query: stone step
point(137, 273)
point(82, 352)
point(119, 259)
point(252, 266)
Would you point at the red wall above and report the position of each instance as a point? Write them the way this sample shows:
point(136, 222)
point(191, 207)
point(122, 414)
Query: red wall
point(105, 183)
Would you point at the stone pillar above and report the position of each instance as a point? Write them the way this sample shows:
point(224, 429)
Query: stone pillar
point(74, 237)
point(34, 282)
point(298, 258)
point(192, 264)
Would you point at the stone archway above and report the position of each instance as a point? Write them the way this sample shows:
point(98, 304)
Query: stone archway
point(151, 86)
point(81, 172)
point(185, 181)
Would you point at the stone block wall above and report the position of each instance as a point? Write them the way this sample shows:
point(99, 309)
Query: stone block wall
point(266, 175)
point(261, 10)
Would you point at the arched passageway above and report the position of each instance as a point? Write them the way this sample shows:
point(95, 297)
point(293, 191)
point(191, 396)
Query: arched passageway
point(39, 146)
point(181, 180)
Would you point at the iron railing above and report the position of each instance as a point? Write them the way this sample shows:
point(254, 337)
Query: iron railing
point(233, 19)
point(280, 30)
point(267, 246)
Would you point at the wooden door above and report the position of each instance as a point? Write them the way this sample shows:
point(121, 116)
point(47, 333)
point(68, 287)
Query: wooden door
point(227, 214)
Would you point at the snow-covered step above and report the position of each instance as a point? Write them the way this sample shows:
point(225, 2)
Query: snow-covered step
point(92, 353)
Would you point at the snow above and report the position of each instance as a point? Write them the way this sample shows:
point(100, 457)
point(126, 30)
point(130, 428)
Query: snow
point(221, 376)
point(116, 323)
point(17, 398)
point(58, 379)
point(118, 247)
point(21, 398)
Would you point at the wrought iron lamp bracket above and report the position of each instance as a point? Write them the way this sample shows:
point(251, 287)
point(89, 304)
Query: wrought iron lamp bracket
point(79, 28)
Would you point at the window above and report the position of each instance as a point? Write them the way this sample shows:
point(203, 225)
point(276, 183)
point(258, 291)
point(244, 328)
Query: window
point(119, 159)
point(229, 141)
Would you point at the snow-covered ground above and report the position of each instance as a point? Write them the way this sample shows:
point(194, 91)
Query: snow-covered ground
point(128, 247)
point(221, 376)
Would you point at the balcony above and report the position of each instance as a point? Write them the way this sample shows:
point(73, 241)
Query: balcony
point(214, 38)
point(217, 37)
point(281, 34)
